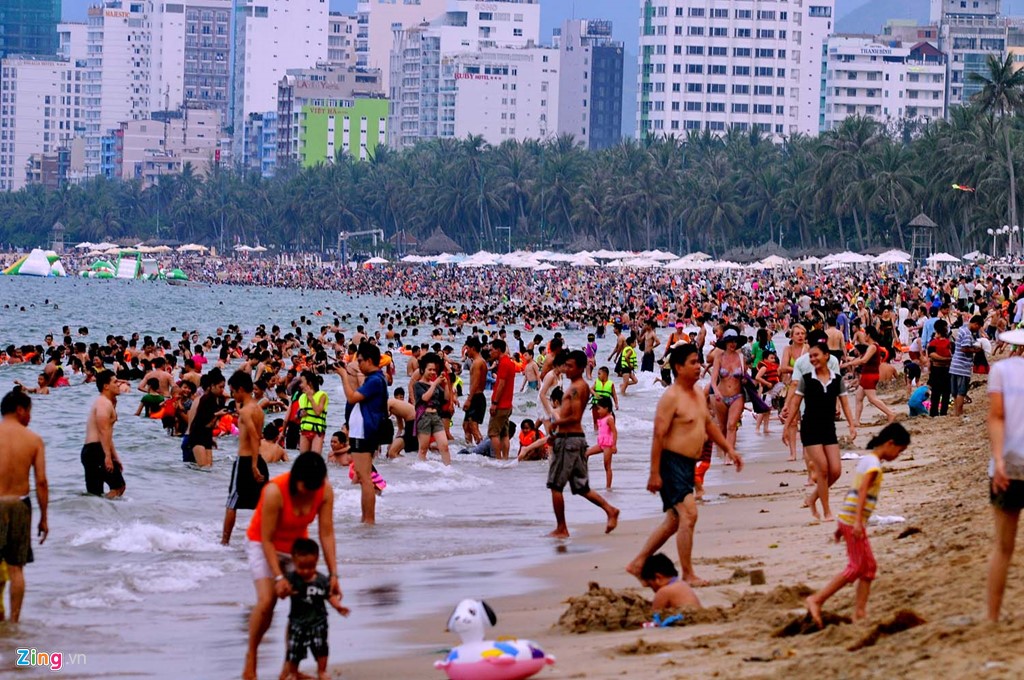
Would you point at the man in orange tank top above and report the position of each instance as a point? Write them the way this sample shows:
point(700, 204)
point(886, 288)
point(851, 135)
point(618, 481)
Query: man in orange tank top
point(288, 505)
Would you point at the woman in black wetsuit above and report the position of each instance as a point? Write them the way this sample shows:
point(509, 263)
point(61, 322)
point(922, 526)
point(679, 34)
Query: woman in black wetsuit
point(820, 390)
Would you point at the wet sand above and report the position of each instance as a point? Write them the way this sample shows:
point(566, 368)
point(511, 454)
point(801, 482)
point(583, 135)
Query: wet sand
point(935, 571)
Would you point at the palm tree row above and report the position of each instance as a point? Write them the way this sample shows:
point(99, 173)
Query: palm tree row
point(851, 187)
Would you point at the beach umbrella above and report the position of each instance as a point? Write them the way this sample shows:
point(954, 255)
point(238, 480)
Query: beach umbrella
point(614, 264)
point(603, 254)
point(641, 262)
point(974, 256)
point(544, 267)
point(192, 248)
point(810, 261)
point(697, 256)
point(259, 249)
point(84, 245)
point(659, 255)
point(892, 257)
point(581, 260)
point(837, 265)
point(374, 260)
point(243, 249)
point(413, 259)
point(942, 258)
point(773, 261)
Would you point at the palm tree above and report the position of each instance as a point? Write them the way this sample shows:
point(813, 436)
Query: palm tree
point(1001, 97)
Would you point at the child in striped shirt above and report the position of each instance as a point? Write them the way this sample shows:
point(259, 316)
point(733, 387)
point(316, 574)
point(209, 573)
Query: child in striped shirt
point(857, 508)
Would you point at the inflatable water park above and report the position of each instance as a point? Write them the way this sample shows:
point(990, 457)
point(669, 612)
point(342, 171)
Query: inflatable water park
point(128, 265)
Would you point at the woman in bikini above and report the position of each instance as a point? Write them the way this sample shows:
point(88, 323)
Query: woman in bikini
point(869, 362)
point(726, 381)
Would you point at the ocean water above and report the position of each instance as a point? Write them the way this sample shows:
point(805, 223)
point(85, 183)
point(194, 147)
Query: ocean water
point(141, 585)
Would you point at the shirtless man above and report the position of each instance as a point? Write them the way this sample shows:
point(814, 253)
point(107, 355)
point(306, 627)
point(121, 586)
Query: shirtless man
point(21, 450)
point(249, 473)
point(554, 377)
point(620, 343)
point(836, 341)
point(649, 341)
point(682, 422)
point(475, 405)
point(162, 376)
point(569, 450)
point(99, 457)
point(531, 372)
point(405, 415)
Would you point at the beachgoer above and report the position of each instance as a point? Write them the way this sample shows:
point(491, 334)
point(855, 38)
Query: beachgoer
point(288, 505)
point(853, 518)
point(569, 450)
point(432, 392)
point(249, 472)
point(870, 362)
point(313, 413)
point(960, 368)
point(727, 374)
point(820, 389)
point(626, 366)
point(21, 453)
point(1006, 470)
point(367, 410)
point(501, 399)
point(607, 437)
point(476, 403)
point(670, 593)
point(682, 422)
point(208, 411)
point(100, 460)
point(307, 619)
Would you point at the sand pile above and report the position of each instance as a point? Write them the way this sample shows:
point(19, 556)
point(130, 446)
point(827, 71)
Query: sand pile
point(605, 609)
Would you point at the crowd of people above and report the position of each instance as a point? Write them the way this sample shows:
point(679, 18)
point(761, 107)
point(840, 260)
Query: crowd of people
point(709, 340)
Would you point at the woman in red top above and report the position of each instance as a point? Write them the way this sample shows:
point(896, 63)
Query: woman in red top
point(870, 360)
point(288, 505)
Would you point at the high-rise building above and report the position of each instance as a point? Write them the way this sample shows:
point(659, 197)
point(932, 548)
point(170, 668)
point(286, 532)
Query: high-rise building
point(118, 74)
point(969, 31)
point(374, 29)
point(272, 36)
point(327, 109)
point(477, 69)
point(191, 54)
point(33, 115)
point(341, 39)
point(887, 81)
point(716, 64)
point(590, 92)
point(161, 145)
point(29, 27)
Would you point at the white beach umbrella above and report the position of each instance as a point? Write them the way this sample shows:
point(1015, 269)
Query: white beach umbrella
point(603, 254)
point(641, 262)
point(892, 257)
point(943, 258)
point(810, 261)
point(974, 256)
point(659, 255)
point(726, 264)
point(448, 258)
point(192, 248)
point(259, 249)
point(697, 256)
point(773, 261)
point(412, 259)
point(372, 260)
point(544, 267)
point(581, 260)
point(85, 245)
point(614, 264)
point(837, 265)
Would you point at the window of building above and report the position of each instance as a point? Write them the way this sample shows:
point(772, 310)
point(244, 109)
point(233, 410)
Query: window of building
point(716, 88)
point(741, 70)
point(717, 69)
point(744, 33)
point(695, 49)
point(716, 107)
point(718, 51)
point(719, 31)
point(743, 14)
point(696, 11)
point(741, 51)
point(695, 68)
point(694, 87)
point(695, 30)
point(692, 106)
point(741, 89)
point(740, 108)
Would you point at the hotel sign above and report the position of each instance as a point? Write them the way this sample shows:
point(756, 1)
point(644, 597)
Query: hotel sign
point(475, 76)
point(877, 50)
point(117, 14)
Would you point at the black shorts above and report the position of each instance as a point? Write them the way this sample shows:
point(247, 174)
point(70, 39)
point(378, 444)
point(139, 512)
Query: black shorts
point(16, 531)
point(477, 408)
point(303, 638)
point(569, 464)
point(96, 474)
point(647, 362)
point(912, 371)
point(1011, 500)
point(387, 432)
point(817, 433)
point(368, 445)
point(244, 491)
point(677, 478)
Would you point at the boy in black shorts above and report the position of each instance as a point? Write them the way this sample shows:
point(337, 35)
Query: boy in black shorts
point(307, 620)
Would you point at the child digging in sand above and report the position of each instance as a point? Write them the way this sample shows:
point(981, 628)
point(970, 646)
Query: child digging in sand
point(857, 508)
point(660, 575)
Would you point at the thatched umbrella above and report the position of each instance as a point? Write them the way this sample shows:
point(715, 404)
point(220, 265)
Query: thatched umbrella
point(438, 243)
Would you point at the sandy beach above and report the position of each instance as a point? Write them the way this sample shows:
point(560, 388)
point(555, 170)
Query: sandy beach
point(931, 568)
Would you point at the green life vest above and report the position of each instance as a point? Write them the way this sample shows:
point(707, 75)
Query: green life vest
point(602, 389)
point(311, 422)
point(628, 357)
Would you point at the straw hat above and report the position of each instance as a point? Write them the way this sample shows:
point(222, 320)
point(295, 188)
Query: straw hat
point(731, 334)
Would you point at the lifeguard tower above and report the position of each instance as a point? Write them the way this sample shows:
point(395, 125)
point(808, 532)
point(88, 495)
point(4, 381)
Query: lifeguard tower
point(922, 239)
point(57, 238)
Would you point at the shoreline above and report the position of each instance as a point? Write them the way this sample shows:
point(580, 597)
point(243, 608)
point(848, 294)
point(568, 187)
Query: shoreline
point(936, 571)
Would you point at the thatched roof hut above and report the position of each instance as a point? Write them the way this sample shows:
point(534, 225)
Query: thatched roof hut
point(439, 243)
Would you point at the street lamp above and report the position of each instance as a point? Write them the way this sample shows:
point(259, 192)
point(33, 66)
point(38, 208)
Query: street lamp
point(1014, 230)
point(992, 232)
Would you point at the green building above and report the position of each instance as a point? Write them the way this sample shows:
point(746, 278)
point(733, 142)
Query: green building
point(356, 127)
point(29, 27)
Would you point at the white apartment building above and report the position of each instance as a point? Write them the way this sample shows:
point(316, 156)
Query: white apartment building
point(341, 38)
point(716, 64)
point(191, 53)
point(272, 36)
point(503, 94)
point(886, 82)
point(467, 72)
point(374, 33)
point(34, 114)
point(118, 68)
